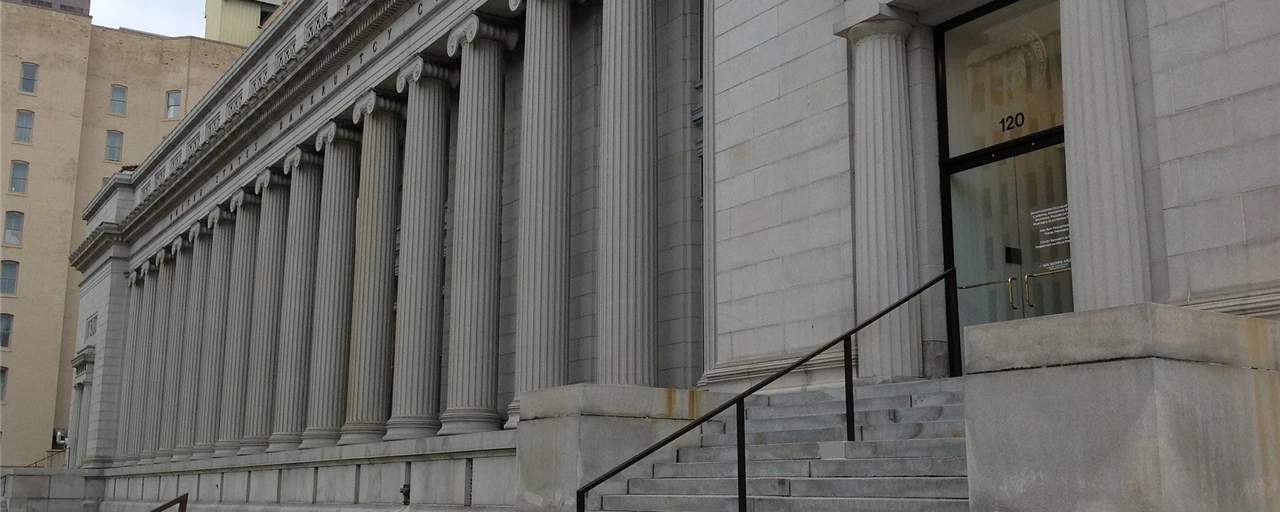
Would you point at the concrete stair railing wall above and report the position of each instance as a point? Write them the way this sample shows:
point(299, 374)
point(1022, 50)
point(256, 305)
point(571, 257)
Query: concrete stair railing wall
point(909, 455)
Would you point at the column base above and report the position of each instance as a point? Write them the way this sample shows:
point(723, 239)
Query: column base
point(252, 445)
point(362, 433)
point(162, 456)
point(226, 449)
point(145, 458)
point(124, 461)
point(513, 414)
point(469, 421)
point(99, 462)
point(182, 454)
point(409, 427)
point(319, 438)
point(284, 441)
point(202, 452)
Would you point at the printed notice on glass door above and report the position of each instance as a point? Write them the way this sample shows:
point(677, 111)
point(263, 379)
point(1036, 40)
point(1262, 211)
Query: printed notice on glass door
point(1053, 229)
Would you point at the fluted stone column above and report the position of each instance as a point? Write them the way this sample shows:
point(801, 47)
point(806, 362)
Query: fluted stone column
point(542, 249)
point(883, 202)
point(415, 393)
point(235, 369)
point(299, 286)
point(160, 345)
point(626, 248)
point(477, 202)
point(150, 276)
point(193, 327)
point(1109, 262)
point(127, 378)
point(373, 302)
point(335, 256)
point(268, 278)
point(175, 350)
point(221, 224)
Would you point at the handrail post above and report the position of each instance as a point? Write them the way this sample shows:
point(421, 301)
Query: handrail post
point(582, 500)
point(850, 423)
point(742, 454)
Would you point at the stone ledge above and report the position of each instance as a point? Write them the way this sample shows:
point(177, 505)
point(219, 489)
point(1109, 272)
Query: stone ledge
point(618, 401)
point(1127, 332)
point(495, 443)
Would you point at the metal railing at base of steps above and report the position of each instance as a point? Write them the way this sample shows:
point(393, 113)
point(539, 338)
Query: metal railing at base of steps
point(739, 402)
point(180, 501)
point(36, 464)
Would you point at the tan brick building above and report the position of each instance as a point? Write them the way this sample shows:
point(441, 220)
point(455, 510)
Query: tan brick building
point(79, 102)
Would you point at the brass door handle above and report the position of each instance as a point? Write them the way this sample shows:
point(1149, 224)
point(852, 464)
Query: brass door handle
point(1026, 283)
point(1008, 285)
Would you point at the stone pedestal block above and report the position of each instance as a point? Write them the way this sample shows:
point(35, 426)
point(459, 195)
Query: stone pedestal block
point(1136, 408)
point(568, 436)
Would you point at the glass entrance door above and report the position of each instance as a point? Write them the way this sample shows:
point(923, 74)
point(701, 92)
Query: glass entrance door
point(1012, 247)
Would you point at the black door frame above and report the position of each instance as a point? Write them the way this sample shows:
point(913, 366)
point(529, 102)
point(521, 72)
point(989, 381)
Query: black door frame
point(948, 166)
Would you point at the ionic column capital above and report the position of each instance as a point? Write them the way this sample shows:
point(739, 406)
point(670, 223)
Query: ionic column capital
point(196, 231)
point(146, 268)
point(161, 257)
point(136, 276)
point(516, 5)
point(473, 28)
point(376, 101)
point(178, 245)
point(418, 68)
point(242, 198)
point(302, 158)
point(333, 131)
point(269, 178)
point(218, 214)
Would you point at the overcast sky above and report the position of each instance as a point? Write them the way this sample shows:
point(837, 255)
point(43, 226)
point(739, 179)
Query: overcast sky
point(166, 17)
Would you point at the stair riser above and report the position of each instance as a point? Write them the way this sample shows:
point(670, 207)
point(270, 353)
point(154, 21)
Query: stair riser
point(785, 436)
point(926, 430)
point(709, 486)
point(906, 448)
point(881, 487)
point(778, 468)
point(757, 452)
point(639, 503)
point(953, 466)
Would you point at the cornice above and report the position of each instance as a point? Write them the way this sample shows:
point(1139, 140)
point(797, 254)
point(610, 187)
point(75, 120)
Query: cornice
point(117, 180)
point(347, 30)
point(96, 244)
point(83, 356)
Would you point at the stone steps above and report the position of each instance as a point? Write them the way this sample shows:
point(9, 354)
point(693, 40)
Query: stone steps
point(909, 456)
point(729, 503)
point(860, 487)
point(912, 466)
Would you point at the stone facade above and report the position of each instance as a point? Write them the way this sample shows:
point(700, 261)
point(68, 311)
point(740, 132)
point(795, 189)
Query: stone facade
point(515, 233)
point(66, 162)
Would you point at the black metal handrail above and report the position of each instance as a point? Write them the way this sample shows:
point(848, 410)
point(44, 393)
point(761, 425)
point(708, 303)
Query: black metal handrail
point(740, 402)
point(47, 457)
point(180, 501)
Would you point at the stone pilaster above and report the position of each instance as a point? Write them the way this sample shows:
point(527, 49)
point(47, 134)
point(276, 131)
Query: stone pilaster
point(477, 204)
point(127, 368)
point(268, 277)
point(235, 369)
point(415, 394)
point(193, 328)
point(1109, 261)
point(542, 256)
point(303, 169)
point(175, 349)
point(626, 248)
point(213, 321)
point(335, 256)
point(373, 313)
point(159, 346)
point(883, 203)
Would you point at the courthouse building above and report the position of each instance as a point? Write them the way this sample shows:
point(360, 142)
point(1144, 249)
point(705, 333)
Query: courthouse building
point(79, 102)
point(473, 253)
